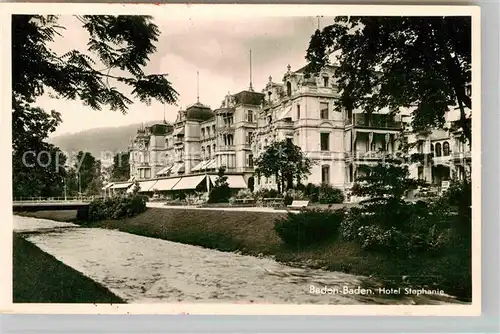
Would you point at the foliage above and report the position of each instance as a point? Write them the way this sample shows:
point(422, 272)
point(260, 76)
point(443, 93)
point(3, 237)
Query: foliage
point(398, 227)
point(244, 194)
point(266, 193)
point(388, 179)
point(118, 50)
point(330, 195)
point(120, 43)
point(116, 207)
point(136, 188)
point(309, 227)
point(285, 161)
point(121, 168)
point(312, 192)
point(399, 62)
point(37, 166)
point(220, 193)
point(387, 223)
point(292, 195)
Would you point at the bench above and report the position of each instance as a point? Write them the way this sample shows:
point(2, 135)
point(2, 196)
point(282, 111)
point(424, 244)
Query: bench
point(243, 200)
point(298, 204)
point(273, 202)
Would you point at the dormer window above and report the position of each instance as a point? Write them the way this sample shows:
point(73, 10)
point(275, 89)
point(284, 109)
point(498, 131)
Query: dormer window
point(250, 116)
point(325, 81)
point(288, 88)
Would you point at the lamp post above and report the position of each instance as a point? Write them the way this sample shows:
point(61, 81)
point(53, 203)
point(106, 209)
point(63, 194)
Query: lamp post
point(65, 194)
point(79, 185)
point(206, 175)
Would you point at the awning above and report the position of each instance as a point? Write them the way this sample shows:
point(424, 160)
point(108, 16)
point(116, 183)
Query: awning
point(199, 166)
point(178, 131)
point(121, 185)
point(189, 182)
point(206, 164)
point(107, 186)
point(165, 170)
point(286, 112)
point(165, 184)
point(234, 181)
point(211, 164)
point(178, 167)
point(147, 185)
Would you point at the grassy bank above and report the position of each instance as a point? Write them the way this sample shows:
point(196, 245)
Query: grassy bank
point(40, 278)
point(253, 233)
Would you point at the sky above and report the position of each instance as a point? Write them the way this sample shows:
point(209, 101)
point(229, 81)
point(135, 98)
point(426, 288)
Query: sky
point(217, 48)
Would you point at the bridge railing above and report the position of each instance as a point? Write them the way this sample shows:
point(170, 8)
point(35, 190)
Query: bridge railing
point(55, 199)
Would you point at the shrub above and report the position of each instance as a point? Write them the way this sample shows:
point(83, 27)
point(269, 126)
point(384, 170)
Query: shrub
point(309, 227)
point(266, 193)
point(221, 192)
point(244, 194)
point(113, 208)
point(330, 195)
point(312, 192)
point(292, 195)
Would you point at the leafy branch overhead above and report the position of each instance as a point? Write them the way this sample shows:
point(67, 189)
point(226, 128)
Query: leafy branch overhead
point(419, 63)
point(120, 44)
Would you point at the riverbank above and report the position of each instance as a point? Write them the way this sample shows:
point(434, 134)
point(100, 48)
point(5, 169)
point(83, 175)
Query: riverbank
point(252, 233)
point(38, 278)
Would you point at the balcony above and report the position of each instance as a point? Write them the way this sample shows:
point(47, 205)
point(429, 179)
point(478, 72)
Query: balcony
point(368, 156)
point(443, 160)
point(375, 121)
point(226, 128)
point(225, 148)
point(286, 124)
point(462, 156)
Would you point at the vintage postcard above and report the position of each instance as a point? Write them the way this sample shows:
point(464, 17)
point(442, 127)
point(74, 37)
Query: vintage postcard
point(241, 159)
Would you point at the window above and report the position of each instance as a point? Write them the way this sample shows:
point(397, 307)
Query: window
point(289, 141)
point(325, 141)
point(250, 116)
point(432, 148)
point(420, 172)
point(249, 138)
point(202, 152)
point(213, 129)
point(298, 111)
point(420, 147)
point(323, 109)
point(325, 81)
point(446, 149)
point(213, 148)
point(288, 89)
point(250, 160)
point(208, 132)
point(209, 154)
point(325, 174)
point(438, 150)
point(269, 119)
point(265, 143)
point(203, 133)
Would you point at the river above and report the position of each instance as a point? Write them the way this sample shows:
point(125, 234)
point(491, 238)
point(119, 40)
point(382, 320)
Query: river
point(147, 270)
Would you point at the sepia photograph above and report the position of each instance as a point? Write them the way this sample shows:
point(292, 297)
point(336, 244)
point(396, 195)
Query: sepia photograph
point(169, 155)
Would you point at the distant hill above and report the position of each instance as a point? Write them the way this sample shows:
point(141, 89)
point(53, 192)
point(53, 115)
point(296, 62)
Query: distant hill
point(98, 140)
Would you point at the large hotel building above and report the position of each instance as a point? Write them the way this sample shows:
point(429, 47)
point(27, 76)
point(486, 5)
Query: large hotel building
point(183, 155)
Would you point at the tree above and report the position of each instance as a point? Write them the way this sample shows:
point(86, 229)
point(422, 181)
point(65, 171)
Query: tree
point(121, 167)
point(87, 171)
point(420, 63)
point(220, 192)
point(285, 161)
point(388, 180)
point(118, 50)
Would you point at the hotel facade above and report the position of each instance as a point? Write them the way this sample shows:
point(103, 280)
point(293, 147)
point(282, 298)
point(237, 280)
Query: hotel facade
point(298, 108)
